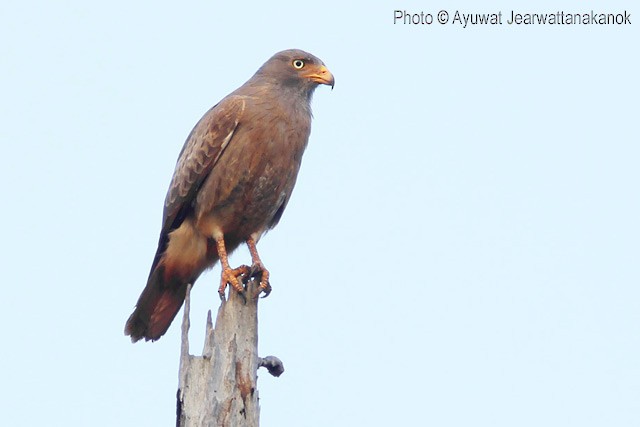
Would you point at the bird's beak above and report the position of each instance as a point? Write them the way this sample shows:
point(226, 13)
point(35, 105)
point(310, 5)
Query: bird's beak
point(322, 76)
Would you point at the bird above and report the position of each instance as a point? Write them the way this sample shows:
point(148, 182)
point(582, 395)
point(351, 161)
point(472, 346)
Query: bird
point(232, 181)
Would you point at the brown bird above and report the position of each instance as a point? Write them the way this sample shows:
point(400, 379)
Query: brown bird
point(232, 182)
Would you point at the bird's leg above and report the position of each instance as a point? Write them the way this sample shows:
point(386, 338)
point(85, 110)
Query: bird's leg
point(229, 275)
point(257, 267)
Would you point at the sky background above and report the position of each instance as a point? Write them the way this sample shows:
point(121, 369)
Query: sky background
point(461, 249)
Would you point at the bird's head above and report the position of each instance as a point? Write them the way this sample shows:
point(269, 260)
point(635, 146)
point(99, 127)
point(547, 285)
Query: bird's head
point(297, 68)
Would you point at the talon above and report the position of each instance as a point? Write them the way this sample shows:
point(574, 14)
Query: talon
point(230, 277)
point(258, 270)
point(264, 287)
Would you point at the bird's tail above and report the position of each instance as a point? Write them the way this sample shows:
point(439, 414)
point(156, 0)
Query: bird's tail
point(156, 308)
point(182, 256)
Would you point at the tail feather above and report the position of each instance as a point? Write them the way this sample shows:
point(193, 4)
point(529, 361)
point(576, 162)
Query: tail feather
point(156, 308)
point(182, 255)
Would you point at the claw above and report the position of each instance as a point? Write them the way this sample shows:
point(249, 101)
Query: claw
point(230, 277)
point(266, 288)
point(258, 270)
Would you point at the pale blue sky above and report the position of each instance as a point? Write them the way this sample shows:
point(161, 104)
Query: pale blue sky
point(462, 247)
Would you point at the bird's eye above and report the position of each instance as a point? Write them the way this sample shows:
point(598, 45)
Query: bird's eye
point(298, 63)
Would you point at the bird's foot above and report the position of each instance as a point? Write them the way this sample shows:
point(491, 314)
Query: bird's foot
point(230, 277)
point(258, 270)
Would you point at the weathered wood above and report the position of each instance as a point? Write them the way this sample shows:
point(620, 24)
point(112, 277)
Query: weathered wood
point(219, 388)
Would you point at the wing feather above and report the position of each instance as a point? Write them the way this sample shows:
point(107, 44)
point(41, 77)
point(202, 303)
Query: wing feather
point(200, 152)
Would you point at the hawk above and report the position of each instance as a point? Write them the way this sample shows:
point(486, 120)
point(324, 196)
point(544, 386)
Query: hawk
point(232, 181)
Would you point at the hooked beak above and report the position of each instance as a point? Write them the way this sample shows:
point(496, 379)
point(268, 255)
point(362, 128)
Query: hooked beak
point(322, 76)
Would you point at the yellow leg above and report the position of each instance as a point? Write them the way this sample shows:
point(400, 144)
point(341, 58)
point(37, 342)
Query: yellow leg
point(258, 267)
point(229, 275)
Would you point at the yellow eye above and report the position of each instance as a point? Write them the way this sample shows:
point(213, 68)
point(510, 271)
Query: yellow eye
point(298, 63)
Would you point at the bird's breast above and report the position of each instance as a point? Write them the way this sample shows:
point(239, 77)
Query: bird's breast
point(253, 177)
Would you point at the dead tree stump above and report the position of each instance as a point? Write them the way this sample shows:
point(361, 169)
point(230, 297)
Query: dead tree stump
point(219, 388)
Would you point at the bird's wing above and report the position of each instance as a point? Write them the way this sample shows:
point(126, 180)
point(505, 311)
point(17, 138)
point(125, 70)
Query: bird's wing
point(200, 152)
